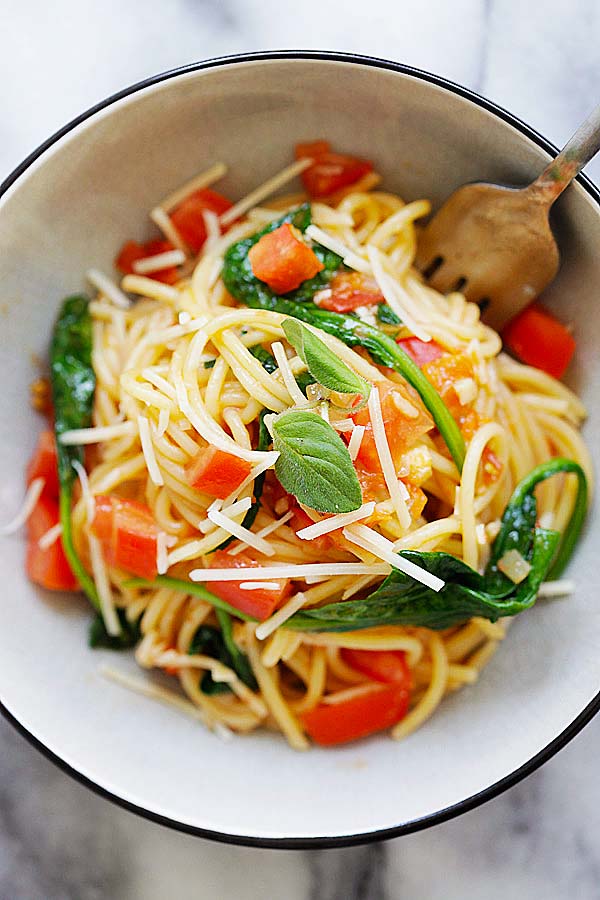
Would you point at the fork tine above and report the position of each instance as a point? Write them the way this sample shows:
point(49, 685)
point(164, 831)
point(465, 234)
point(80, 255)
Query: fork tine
point(446, 277)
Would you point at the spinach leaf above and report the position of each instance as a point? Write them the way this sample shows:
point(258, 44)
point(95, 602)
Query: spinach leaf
point(220, 645)
point(402, 601)
point(242, 284)
point(130, 634)
point(323, 364)
point(73, 385)
point(314, 464)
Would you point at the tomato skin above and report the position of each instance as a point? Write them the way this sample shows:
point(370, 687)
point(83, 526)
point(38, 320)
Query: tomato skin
point(401, 431)
point(540, 340)
point(349, 290)
point(387, 666)
point(421, 352)
point(188, 219)
point(132, 252)
point(217, 473)
point(329, 171)
point(282, 260)
point(48, 568)
point(44, 464)
point(374, 710)
point(128, 533)
point(260, 603)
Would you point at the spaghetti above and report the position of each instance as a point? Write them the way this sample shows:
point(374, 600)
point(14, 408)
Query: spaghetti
point(190, 380)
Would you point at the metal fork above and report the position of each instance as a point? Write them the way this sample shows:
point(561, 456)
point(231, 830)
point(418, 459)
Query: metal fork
point(494, 243)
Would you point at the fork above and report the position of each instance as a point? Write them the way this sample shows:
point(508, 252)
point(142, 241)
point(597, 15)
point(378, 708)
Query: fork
point(494, 243)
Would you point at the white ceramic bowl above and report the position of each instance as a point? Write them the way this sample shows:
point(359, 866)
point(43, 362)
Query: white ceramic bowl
point(68, 207)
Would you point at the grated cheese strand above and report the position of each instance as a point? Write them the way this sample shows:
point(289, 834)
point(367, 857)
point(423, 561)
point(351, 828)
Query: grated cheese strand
point(97, 435)
point(338, 521)
point(202, 180)
point(159, 261)
point(268, 529)
point(162, 221)
point(50, 537)
point(33, 494)
point(375, 543)
point(259, 586)
point(355, 441)
point(107, 288)
point(238, 531)
point(264, 190)
point(289, 570)
point(282, 615)
point(350, 258)
point(385, 458)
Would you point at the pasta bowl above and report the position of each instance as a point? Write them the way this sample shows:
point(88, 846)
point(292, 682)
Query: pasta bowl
point(66, 208)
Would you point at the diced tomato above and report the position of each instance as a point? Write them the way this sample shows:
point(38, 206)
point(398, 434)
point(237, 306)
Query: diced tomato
point(421, 352)
point(389, 666)
point(260, 603)
point(48, 568)
point(329, 171)
point(540, 340)
point(128, 533)
point(401, 431)
point(347, 291)
point(282, 259)
point(132, 252)
point(217, 473)
point(443, 372)
point(374, 710)
point(188, 219)
point(43, 464)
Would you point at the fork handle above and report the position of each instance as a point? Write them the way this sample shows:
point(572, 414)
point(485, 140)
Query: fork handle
point(578, 151)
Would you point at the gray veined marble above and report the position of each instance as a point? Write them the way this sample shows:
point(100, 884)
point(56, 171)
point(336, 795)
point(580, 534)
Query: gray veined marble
point(59, 841)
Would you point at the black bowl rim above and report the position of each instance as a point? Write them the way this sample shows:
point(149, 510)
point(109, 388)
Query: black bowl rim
point(469, 803)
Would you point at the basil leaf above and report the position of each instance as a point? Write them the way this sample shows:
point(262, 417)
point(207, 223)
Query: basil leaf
point(387, 316)
point(322, 362)
point(314, 464)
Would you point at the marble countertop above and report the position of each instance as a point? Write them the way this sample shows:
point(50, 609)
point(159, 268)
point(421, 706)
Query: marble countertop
point(58, 840)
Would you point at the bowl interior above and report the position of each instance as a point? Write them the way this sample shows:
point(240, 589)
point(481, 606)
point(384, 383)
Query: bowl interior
point(71, 210)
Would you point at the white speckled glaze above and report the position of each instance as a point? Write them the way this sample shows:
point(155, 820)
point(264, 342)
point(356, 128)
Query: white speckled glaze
point(74, 205)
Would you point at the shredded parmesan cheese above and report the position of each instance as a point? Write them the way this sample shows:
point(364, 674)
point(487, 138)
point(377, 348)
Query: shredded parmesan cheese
point(268, 462)
point(356, 440)
point(162, 221)
point(238, 531)
point(34, 492)
point(385, 458)
point(159, 261)
point(268, 529)
point(148, 451)
point(289, 570)
point(389, 290)
point(350, 258)
point(379, 546)
point(556, 588)
point(50, 537)
point(107, 288)
point(202, 180)
point(282, 615)
point(77, 436)
point(338, 521)
point(264, 190)
point(259, 586)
